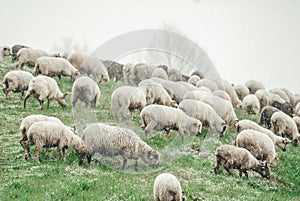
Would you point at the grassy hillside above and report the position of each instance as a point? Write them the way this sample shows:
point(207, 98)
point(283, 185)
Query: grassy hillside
point(192, 162)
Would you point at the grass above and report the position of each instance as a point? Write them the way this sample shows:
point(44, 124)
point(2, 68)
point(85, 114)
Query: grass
point(192, 162)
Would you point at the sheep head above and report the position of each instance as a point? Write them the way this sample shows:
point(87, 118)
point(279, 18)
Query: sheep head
point(263, 169)
point(152, 158)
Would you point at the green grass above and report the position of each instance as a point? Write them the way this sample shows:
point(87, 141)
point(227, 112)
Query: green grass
point(192, 162)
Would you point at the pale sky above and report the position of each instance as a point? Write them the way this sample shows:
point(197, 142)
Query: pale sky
point(245, 39)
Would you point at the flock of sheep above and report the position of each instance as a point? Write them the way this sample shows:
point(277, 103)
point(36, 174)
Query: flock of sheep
point(166, 100)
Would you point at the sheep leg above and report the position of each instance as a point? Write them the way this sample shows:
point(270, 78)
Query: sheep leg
point(124, 163)
point(25, 99)
point(217, 168)
point(89, 158)
point(148, 129)
point(136, 165)
point(36, 152)
point(48, 105)
point(27, 149)
point(181, 132)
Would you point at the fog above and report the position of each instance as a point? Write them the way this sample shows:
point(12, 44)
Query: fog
point(244, 39)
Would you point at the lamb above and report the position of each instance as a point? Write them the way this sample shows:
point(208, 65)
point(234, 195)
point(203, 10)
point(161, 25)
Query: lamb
point(205, 113)
point(251, 104)
point(248, 124)
point(232, 157)
point(29, 56)
point(222, 94)
point(52, 134)
point(266, 114)
point(15, 49)
point(160, 73)
point(254, 85)
point(223, 108)
point(160, 117)
point(120, 101)
point(114, 69)
point(260, 145)
point(16, 81)
point(77, 59)
point(194, 79)
point(42, 87)
point(86, 90)
point(284, 125)
point(112, 141)
point(52, 66)
point(167, 187)
point(241, 91)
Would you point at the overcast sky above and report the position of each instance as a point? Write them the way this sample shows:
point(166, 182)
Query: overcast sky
point(253, 39)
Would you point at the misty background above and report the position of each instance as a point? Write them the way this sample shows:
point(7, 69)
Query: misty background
point(244, 39)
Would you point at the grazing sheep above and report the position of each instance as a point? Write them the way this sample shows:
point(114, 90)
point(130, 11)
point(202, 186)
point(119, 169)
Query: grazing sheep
point(160, 73)
point(211, 84)
point(29, 56)
point(52, 134)
point(297, 121)
point(160, 117)
point(86, 90)
point(284, 125)
point(77, 59)
point(254, 85)
point(280, 93)
point(174, 75)
point(138, 99)
point(15, 49)
point(241, 91)
point(205, 113)
point(291, 95)
point(222, 94)
point(223, 108)
point(52, 66)
point(227, 87)
point(266, 114)
point(167, 187)
point(42, 87)
point(248, 124)
point(251, 104)
point(94, 68)
point(263, 97)
point(239, 158)
point(112, 141)
point(16, 81)
point(194, 79)
point(133, 74)
point(114, 69)
point(259, 144)
point(120, 101)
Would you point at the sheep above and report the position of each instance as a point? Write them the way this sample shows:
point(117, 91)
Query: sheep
point(285, 107)
point(138, 99)
point(114, 69)
point(112, 141)
point(248, 124)
point(251, 104)
point(52, 134)
point(86, 90)
point(174, 75)
point(291, 95)
point(160, 117)
point(52, 66)
point(223, 108)
point(120, 101)
point(283, 125)
point(259, 144)
point(29, 56)
point(167, 187)
point(15, 49)
point(77, 59)
point(207, 83)
point(205, 113)
point(160, 73)
point(254, 85)
point(232, 157)
point(263, 97)
point(266, 114)
point(42, 87)
point(94, 67)
point(4, 51)
point(227, 87)
point(133, 74)
point(280, 93)
point(241, 91)
point(16, 81)
point(194, 79)
point(297, 121)
point(222, 94)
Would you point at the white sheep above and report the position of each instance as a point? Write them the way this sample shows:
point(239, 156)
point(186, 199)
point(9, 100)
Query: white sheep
point(167, 187)
point(228, 88)
point(205, 113)
point(42, 87)
point(77, 59)
point(211, 84)
point(251, 105)
point(120, 101)
point(259, 144)
point(16, 81)
point(232, 157)
point(248, 124)
point(52, 134)
point(194, 79)
point(280, 93)
point(52, 66)
point(241, 90)
point(266, 114)
point(29, 56)
point(4, 51)
point(160, 117)
point(254, 85)
point(222, 94)
point(93, 67)
point(86, 90)
point(112, 141)
point(284, 125)
point(160, 73)
point(14, 50)
point(290, 94)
